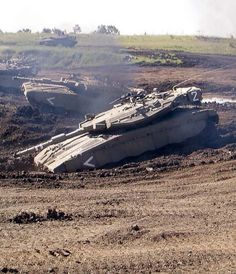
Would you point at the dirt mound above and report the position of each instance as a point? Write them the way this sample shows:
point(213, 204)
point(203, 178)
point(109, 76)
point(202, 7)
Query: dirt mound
point(27, 218)
point(31, 217)
point(58, 215)
point(179, 59)
point(170, 235)
point(9, 270)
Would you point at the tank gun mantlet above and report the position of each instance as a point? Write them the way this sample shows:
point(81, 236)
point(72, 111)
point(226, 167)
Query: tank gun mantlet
point(133, 96)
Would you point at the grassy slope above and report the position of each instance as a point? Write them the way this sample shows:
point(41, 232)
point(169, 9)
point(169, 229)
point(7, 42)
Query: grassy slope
point(198, 44)
point(96, 50)
point(90, 50)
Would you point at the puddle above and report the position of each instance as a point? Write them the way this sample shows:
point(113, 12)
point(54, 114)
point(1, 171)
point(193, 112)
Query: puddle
point(219, 100)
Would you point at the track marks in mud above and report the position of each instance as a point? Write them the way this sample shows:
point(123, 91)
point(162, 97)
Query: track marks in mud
point(179, 222)
point(122, 236)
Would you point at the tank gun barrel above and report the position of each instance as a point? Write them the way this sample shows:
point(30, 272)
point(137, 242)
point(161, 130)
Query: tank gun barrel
point(132, 96)
point(38, 80)
point(122, 98)
point(53, 141)
point(73, 85)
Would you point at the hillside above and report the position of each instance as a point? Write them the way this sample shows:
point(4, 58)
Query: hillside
point(102, 50)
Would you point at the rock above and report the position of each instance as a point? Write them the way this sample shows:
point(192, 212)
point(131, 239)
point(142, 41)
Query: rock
point(54, 214)
point(27, 218)
point(9, 270)
point(149, 169)
point(60, 252)
point(135, 227)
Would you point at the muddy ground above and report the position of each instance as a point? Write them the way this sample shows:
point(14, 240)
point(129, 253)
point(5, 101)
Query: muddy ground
point(171, 210)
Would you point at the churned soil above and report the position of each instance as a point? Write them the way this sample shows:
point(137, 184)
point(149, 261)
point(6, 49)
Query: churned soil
point(169, 211)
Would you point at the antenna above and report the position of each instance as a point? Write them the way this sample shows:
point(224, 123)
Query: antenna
point(199, 75)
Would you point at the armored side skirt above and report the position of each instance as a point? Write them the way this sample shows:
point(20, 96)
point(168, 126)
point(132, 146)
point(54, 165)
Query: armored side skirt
point(88, 151)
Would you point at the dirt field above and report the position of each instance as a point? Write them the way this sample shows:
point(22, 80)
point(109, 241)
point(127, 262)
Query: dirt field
point(168, 211)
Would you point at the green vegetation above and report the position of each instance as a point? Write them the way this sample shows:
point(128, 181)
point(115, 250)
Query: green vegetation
point(20, 39)
point(99, 50)
point(197, 44)
point(158, 58)
point(90, 50)
point(60, 57)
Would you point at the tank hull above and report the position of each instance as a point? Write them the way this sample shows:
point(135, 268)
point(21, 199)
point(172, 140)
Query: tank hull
point(43, 96)
point(94, 151)
point(48, 97)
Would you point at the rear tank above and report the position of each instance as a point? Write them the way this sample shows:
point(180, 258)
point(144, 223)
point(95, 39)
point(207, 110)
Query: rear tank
point(137, 123)
point(67, 95)
point(15, 68)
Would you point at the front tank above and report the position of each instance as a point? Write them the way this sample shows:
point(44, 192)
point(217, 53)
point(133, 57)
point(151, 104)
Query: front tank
point(89, 151)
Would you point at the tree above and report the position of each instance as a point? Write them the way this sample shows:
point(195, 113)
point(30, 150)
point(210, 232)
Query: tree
point(47, 30)
point(77, 29)
point(58, 32)
point(25, 30)
point(109, 29)
point(101, 29)
point(113, 30)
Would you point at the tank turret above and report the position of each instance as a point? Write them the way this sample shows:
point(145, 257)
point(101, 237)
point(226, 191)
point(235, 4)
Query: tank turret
point(68, 95)
point(63, 40)
point(71, 84)
point(139, 109)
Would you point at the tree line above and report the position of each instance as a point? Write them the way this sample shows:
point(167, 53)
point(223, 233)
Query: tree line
point(101, 29)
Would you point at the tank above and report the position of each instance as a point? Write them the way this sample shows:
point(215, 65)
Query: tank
point(137, 123)
point(65, 41)
point(68, 95)
point(15, 67)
